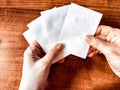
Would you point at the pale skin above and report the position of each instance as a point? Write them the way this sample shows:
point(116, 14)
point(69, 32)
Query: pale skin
point(107, 42)
point(36, 70)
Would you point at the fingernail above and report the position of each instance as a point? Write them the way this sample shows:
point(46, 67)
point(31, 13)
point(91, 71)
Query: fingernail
point(88, 38)
point(59, 46)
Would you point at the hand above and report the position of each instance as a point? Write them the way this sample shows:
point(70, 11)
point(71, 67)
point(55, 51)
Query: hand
point(36, 69)
point(106, 41)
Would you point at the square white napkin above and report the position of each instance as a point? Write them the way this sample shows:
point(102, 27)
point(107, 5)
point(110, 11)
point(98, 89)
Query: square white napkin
point(54, 20)
point(37, 32)
point(68, 25)
point(79, 22)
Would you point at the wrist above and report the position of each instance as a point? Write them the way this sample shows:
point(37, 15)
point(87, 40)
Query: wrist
point(29, 84)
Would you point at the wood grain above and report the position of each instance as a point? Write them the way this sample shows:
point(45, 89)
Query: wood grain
point(75, 73)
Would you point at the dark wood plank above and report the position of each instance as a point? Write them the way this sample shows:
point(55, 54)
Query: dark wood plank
point(74, 73)
point(109, 8)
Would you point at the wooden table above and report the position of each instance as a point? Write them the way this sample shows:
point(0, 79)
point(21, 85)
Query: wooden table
point(74, 73)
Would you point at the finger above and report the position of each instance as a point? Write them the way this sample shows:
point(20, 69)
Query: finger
point(61, 61)
point(102, 37)
point(52, 54)
point(37, 49)
point(93, 53)
point(97, 43)
point(91, 49)
point(94, 49)
point(35, 44)
point(103, 30)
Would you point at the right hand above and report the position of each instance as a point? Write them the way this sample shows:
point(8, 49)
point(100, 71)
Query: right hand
point(106, 41)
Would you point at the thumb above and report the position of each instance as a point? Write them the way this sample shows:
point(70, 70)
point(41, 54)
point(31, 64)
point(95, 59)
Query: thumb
point(97, 43)
point(52, 54)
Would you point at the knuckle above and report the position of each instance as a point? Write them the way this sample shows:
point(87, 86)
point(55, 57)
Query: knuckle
point(96, 42)
point(53, 53)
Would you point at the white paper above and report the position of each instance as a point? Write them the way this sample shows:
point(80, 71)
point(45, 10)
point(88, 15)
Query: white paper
point(79, 22)
point(54, 20)
point(37, 25)
point(36, 22)
point(68, 25)
point(47, 11)
point(37, 32)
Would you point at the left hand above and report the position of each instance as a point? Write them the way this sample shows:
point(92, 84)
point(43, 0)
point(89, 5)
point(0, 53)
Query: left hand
point(36, 69)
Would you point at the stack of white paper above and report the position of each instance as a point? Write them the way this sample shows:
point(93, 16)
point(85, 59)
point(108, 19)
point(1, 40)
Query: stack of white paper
point(68, 25)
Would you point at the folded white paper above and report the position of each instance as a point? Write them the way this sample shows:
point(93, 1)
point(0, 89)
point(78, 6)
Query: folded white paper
point(79, 21)
point(49, 23)
point(37, 32)
point(47, 11)
point(68, 25)
point(54, 20)
point(36, 22)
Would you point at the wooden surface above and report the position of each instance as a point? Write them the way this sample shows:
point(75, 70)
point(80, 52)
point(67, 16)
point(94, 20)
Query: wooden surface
point(75, 73)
